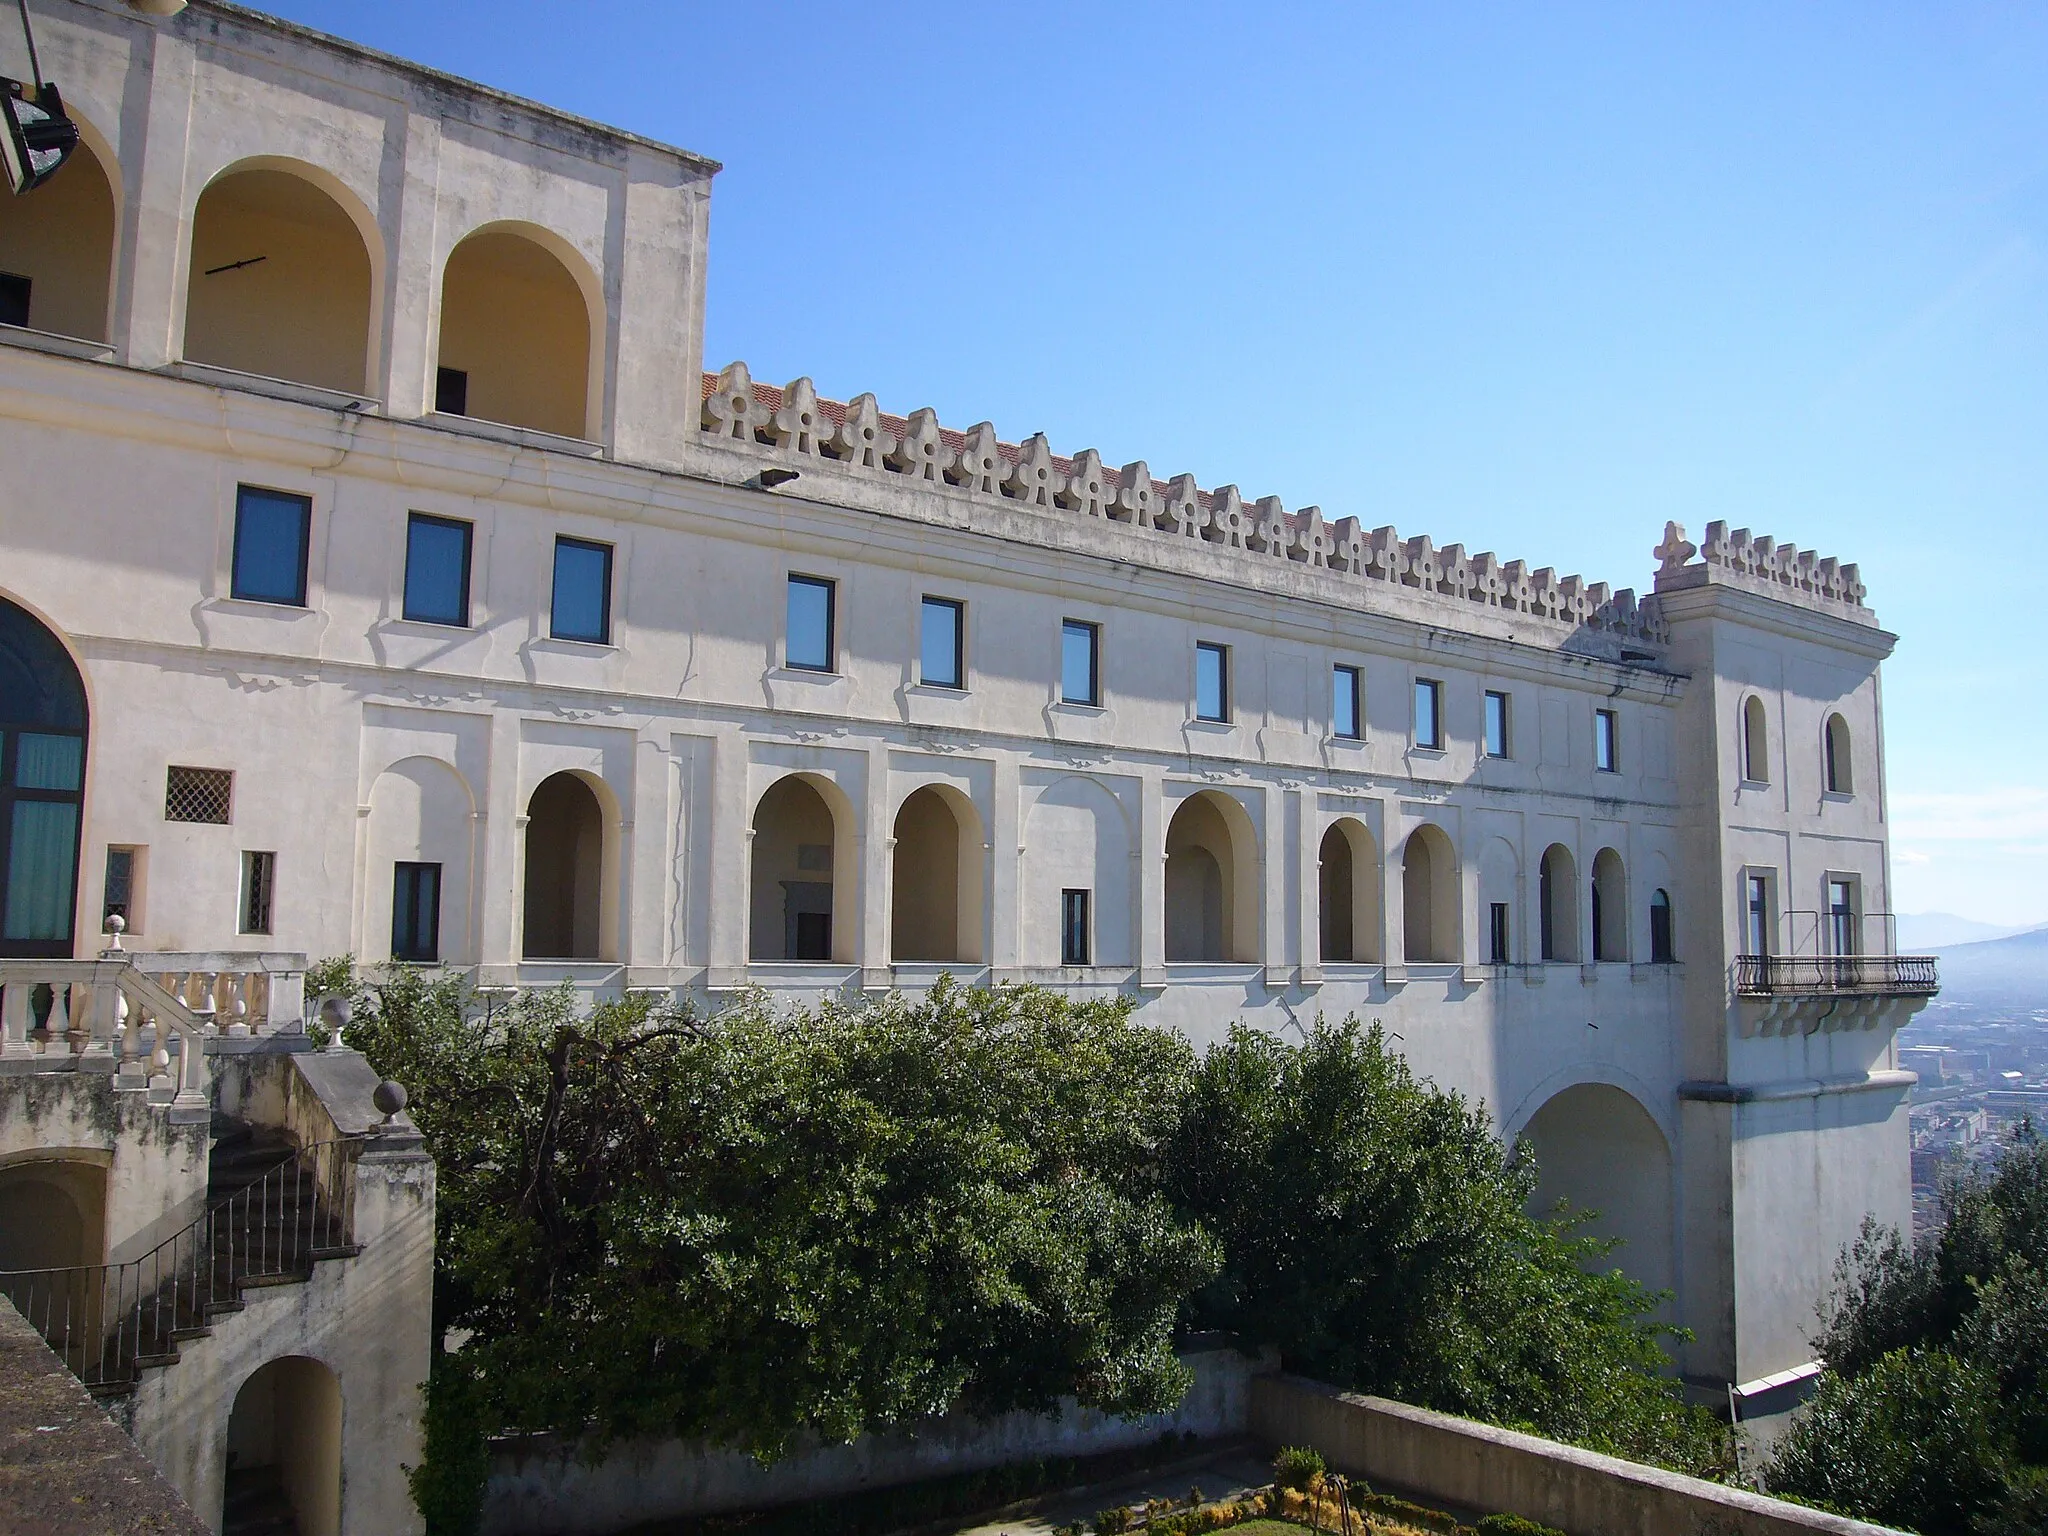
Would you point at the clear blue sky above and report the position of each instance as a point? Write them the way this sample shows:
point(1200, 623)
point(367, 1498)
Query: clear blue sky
point(1528, 278)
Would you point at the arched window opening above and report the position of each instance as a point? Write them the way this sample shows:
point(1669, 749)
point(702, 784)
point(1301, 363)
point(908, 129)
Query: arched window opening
point(1429, 897)
point(564, 871)
point(795, 870)
point(42, 787)
point(57, 251)
point(280, 283)
point(1756, 742)
point(284, 1449)
point(1558, 901)
point(1661, 950)
point(935, 911)
point(1610, 907)
point(1076, 839)
point(419, 845)
point(1598, 1149)
point(1350, 890)
point(1211, 902)
point(1840, 773)
point(515, 336)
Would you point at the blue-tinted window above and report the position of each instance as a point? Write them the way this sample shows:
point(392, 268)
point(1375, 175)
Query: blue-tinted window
point(416, 913)
point(1429, 713)
point(437, 570)
point(1080, 676)
point(942, 645)
point(272, 531)
point(583, 591)
point(811, 641)
point(1606, 750)
point(1074, 928)
point(1497, 744)
point(1212, 681)
point(1344, 703)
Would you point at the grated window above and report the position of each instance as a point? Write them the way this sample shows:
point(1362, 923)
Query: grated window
point(199, 794)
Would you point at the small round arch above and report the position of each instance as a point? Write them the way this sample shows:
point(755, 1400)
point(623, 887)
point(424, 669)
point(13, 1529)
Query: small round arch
point(1837, 760)
point(521, 331)
point(1756, 741)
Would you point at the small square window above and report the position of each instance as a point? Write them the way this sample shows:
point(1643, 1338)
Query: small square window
point(942, 644)
point(1429, 713)
point(272, 532)
point(583, 591)
point(416, 913)
point(259, 887)
point(1212, 681)
point(1074, 928)
point(1080, 668)
point(1498, 742)
point(451, 391)
point(437, 570)
point(1606, 751)
point(204, 795)
point(811, 643)
point(14, 292)
point(1344, 702)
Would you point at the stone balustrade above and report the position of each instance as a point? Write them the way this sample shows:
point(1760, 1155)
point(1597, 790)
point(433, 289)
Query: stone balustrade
point(859, 438)
point(106, 1015)
point(241, 995)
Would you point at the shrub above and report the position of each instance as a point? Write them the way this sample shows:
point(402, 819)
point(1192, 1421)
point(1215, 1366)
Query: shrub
point(1297, 1467)
point(1513, 1525)
point(1112, 1522)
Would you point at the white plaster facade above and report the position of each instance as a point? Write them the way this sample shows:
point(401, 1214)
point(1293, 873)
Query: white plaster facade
point(1737, 1143)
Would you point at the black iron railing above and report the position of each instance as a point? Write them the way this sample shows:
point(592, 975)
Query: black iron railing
point(1862, 975)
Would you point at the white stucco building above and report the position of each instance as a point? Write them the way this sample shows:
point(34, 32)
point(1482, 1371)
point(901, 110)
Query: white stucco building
point(430, 599)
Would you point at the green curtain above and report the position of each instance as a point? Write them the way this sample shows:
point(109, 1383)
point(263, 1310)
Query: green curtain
point(48, 762)
point(39, 873)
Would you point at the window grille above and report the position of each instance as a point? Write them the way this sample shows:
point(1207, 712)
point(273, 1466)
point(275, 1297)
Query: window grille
point(199, 794)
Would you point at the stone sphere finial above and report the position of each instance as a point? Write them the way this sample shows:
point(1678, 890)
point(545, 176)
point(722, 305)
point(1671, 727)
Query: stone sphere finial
point(113, 928)
point(390, 1097)
point(335, 1012)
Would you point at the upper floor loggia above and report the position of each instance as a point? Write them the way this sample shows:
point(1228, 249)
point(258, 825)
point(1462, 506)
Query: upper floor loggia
point(258, 206)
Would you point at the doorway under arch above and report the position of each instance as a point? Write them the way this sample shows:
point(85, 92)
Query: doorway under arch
point(42, 787)
point(57, 250)
point(284, 1447)
point(1599, 1149)
point(935, 905)
point(516, 335)
point(799, 849)
point(1557, 902)
point(281, 282)
point(1211, 882)
point(1429, 897)
point(565, 871)
point(1349, 874)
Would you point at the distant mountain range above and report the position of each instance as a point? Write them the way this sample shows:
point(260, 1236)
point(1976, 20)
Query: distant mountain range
point(2009, 972)
point(1922, 933)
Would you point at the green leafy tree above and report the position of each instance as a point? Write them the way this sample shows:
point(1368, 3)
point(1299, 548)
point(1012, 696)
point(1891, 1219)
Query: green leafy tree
point(1376, 1230)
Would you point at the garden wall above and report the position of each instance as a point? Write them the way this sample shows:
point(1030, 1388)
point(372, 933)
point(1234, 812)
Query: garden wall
point(1438, 1458)
point(539, 1486)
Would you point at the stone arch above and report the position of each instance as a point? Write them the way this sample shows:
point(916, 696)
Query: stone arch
point(1212, 881)
point(53, 1210)
point(1500, 884)
point(1349, 906)
point(422, 815)
point(522, 321)
point(1598, 1148)
point(63, 241)
point(1610, 907)
point(1557, 902)
point(284, 1443)
point(936, 878)
point(286, 276)
point(1429, 897)
point(1756, 741)
point(44, 713)
point(804, 887)
point(1837, 762)
point(1077, 837)
point(571, 837)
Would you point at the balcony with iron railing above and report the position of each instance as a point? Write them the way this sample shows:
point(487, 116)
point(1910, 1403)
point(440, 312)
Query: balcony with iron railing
point(1770, 976)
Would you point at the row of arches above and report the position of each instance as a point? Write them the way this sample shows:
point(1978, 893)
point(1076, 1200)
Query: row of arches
point(1837, 759)
point(286, 279)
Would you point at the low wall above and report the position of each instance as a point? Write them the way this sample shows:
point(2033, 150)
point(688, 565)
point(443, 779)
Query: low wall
point(539, 1486)
point(1437, 1457)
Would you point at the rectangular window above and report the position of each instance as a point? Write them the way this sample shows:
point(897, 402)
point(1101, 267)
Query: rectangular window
point(416, 913)
point(437, 570)
point(1074, 928)
point(1842, 917)
point(259, 886)
point(1429, 713)
point(1606, 752)
point(1497, 739)
point(942, 644)
point(205, 795)
point(1757, 925)
point(122, 897)
point(273, 530)
point(811, 642)
point(1497, 933)
point(1344, 702)
point(582, 607)
point(1080, 673)
point(14, 290)
point(1660, 929)
point(451, 391)
point(1212, 681)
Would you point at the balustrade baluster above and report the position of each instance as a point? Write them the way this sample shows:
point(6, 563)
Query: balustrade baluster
point(234, 996)
point(16, 1020)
